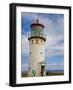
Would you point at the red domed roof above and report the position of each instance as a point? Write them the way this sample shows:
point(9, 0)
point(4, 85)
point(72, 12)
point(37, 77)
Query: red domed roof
point(37, 24)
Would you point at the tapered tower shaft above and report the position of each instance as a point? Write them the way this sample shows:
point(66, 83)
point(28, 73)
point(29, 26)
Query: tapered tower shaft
point(37, 50)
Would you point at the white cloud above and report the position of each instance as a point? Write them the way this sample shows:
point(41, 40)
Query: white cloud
point(24, 45)
point(54, 34)
point(52, 46)
point(55, 66)
point(24, 67)
point(31, 17)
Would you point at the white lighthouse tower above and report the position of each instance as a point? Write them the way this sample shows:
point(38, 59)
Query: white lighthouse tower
point(37, 50)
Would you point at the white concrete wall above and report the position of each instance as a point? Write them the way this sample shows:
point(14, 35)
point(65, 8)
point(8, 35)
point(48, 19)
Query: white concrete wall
point(35, 55)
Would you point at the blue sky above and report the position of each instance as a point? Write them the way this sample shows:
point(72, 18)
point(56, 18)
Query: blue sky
point(54, 46)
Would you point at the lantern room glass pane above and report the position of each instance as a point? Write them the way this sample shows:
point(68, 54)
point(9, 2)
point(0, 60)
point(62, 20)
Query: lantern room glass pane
point(37, 32)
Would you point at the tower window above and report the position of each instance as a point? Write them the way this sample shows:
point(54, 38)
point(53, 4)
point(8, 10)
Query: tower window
point(41, 52)
point(36, 41)
point(41, 41)
point(32, 41)
point(29, 52)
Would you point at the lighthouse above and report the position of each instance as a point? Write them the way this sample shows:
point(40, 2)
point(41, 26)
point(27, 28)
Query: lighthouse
point(37, 50)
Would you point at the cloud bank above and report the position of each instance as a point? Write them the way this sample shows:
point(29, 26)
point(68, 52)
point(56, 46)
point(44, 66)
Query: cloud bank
point(54, 31)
